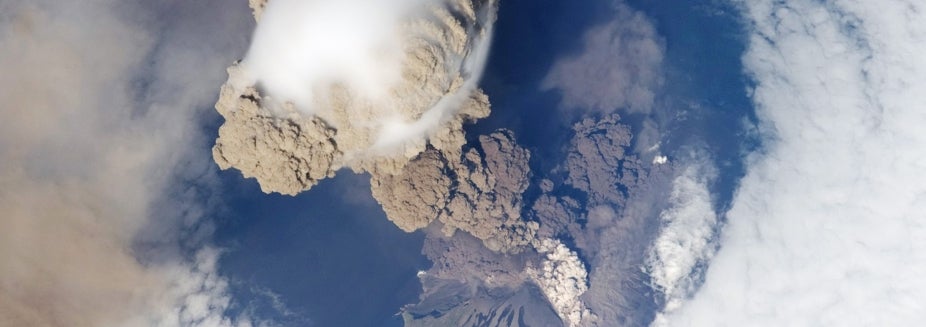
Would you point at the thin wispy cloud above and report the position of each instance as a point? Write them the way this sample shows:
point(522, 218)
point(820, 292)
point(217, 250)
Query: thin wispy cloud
point(620, 66)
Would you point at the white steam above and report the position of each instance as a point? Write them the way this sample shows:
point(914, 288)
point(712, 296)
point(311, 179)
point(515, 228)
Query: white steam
point(304, 45)
point(563, 279)
point(304, 49)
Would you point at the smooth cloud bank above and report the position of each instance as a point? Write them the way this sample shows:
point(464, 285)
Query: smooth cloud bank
point(827, 228)
point(98, 129)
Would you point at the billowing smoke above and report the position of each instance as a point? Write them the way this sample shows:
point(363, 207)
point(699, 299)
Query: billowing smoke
point(476, 191)
point(563, 279)
point(362, 84)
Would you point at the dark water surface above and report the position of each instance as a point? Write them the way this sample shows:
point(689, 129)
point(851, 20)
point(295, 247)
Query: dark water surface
point(330, 254)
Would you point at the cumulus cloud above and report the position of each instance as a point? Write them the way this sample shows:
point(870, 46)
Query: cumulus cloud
point(619, 68)
point(99, 123)
point(685, 237)
point(827, 226)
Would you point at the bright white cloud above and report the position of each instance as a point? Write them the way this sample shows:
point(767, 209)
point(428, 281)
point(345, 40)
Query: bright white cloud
point(828, 226)
point(99, 118)
point(684, 241)
point(302, 45)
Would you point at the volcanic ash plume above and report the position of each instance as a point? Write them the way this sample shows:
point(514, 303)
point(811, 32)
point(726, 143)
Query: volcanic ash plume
point(360, 84)
point(476, 190)
point(563, 279)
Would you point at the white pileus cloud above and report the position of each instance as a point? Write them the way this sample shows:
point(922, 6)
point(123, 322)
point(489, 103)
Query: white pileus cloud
point(828, 226)
point(301, 45)
point(330, 56)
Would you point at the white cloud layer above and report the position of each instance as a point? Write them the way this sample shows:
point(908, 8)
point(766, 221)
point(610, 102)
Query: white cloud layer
point(97, 124)
point(684, 241)
point(828, 226)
